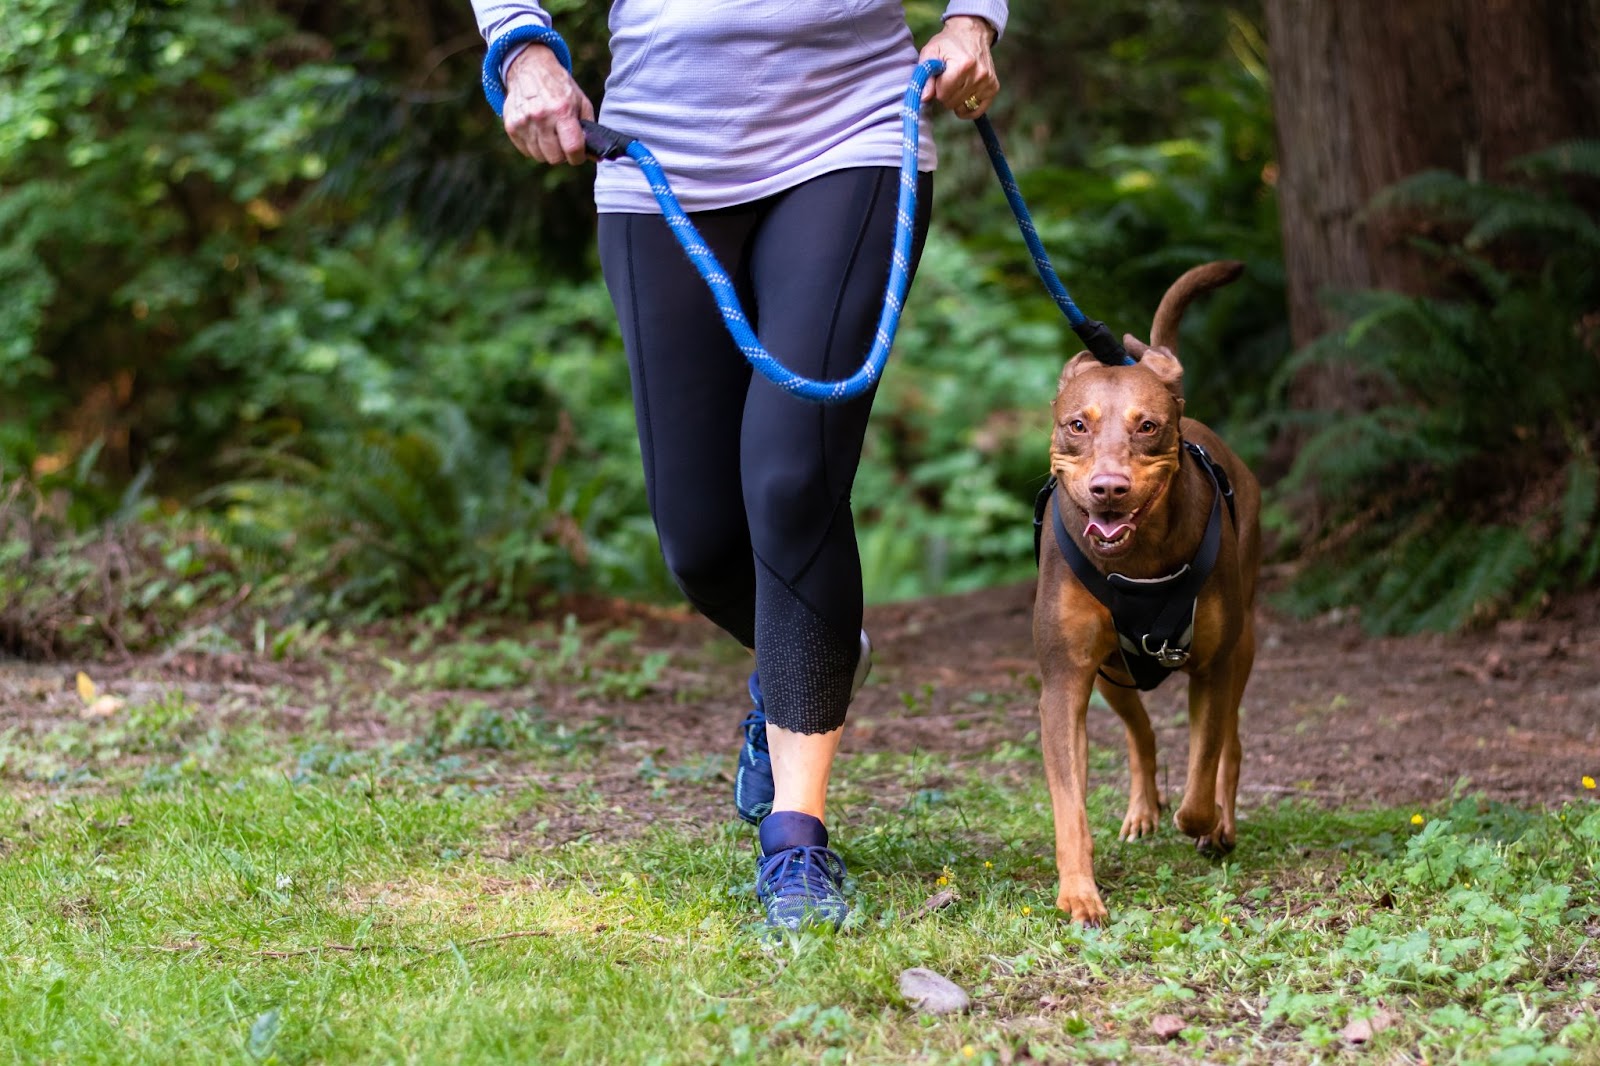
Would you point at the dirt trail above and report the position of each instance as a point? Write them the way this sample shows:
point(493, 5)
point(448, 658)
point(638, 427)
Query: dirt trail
point(1330, 714)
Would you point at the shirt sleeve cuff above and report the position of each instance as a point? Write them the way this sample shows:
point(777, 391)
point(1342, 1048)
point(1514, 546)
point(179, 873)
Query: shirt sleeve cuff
point(991, 11)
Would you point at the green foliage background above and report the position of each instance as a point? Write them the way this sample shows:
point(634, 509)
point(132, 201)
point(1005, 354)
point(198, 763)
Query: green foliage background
point(276, 285)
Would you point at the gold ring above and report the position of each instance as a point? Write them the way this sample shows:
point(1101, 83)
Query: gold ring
point(971, 103)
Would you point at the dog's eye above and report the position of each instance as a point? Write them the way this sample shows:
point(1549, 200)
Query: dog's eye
point(1148, 426)
point(1077, 426)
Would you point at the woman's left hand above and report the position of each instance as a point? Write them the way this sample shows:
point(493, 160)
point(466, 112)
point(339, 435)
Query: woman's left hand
point(969, 84)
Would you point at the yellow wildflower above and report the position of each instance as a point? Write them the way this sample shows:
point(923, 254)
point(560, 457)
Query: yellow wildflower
point(967, 1051)
point(1416, 819)
point(1027, 911)
point(1588, 782)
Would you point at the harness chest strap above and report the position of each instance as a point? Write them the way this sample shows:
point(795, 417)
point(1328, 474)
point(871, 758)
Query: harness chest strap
point(1153, 617)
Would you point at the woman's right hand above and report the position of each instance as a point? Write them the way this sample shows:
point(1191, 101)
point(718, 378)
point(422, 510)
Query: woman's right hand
point(543, 106)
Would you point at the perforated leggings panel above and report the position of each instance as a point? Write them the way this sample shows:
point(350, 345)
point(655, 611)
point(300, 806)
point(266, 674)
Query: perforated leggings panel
point(749, 487)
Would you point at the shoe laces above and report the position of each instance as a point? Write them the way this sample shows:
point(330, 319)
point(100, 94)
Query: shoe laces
point(755, 730)
point(812, 871)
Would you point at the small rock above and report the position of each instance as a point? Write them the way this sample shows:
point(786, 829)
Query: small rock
point(1167, 1026)
point(103, 707)
point(1362, 1030)
point(1358, 1032)
point(932, 994)
point(936, 902)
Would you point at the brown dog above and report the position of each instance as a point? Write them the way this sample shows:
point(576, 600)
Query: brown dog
point(1133, 498)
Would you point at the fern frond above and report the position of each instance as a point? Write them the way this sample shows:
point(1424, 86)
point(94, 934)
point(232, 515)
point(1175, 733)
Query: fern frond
point(1579, 158)
point(1529, 216)
point(1492, 562)
point(1440, 194)
point(1358, 449)
point(1578, 505)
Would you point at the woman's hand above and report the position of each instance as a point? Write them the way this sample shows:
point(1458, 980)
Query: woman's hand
point(543, 106)
point(969, 84)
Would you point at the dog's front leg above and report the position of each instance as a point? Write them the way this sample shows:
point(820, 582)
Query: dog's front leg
point(1064, 732)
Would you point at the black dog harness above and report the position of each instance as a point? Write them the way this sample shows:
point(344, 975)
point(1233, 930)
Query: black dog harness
point(1154, 617)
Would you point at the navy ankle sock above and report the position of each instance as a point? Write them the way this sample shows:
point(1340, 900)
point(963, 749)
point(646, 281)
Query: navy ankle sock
point(781, 830)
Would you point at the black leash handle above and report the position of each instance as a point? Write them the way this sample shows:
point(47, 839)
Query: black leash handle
point(603, 142)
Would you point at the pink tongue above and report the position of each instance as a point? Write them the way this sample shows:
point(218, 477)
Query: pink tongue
point(1095, 529)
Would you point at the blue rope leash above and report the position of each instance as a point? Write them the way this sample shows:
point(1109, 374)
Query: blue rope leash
point(1095, 336)
point(609, 144)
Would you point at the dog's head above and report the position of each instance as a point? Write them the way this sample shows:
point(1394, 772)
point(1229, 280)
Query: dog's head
point(1117, 434)
point(1116, 441)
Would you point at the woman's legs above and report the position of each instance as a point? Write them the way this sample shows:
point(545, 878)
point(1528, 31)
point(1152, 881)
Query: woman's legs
point(749, 486)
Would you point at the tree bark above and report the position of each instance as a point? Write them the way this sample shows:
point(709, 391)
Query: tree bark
point(1367, 92)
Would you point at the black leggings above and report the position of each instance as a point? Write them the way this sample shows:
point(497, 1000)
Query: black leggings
point(750, 486)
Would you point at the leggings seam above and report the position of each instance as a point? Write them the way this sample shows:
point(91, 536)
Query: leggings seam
point(833, 326)
point(646, 435)
point(791, 589)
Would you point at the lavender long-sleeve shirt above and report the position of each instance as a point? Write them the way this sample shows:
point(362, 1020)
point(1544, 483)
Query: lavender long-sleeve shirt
point(740, 99)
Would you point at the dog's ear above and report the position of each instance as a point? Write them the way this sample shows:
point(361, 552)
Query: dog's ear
point(1075, 366)
point(1134, 345)
point(1165, 366)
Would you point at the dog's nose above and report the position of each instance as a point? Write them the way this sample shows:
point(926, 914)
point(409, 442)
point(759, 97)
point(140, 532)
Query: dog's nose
point(1108, 487)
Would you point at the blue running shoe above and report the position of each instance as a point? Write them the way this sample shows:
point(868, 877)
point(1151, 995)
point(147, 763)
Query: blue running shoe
point(752, 782)
point(802, 886)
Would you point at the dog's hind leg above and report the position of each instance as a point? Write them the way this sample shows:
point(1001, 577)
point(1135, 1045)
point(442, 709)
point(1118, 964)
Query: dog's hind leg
point(1240, 662)
point(1210, 706)
point(1144, 799)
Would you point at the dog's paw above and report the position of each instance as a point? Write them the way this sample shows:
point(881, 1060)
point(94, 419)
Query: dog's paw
point(1081, 899)
point(1216, 845)
point(1192, 824)
point(1142, 820)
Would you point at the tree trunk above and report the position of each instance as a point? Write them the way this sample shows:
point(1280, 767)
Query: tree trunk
point(1367, 92)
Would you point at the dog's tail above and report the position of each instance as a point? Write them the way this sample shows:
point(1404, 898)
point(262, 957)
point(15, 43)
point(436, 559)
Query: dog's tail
point(1203, 278)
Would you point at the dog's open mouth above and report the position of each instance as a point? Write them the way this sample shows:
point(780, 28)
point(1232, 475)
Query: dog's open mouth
point(1110, 534)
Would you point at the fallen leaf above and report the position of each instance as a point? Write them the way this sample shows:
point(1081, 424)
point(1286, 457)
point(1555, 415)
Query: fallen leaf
point(931, 993)
point(86, 689)
point(1167, 1026)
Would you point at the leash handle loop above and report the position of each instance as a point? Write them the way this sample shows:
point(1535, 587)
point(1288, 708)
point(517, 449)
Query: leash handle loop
point(601, 141)
point(494, 85)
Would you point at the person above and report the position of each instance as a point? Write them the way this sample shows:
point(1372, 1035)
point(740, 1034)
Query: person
point(778, 125)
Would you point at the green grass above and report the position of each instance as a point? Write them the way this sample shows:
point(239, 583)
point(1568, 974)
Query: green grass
point(188, 884)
